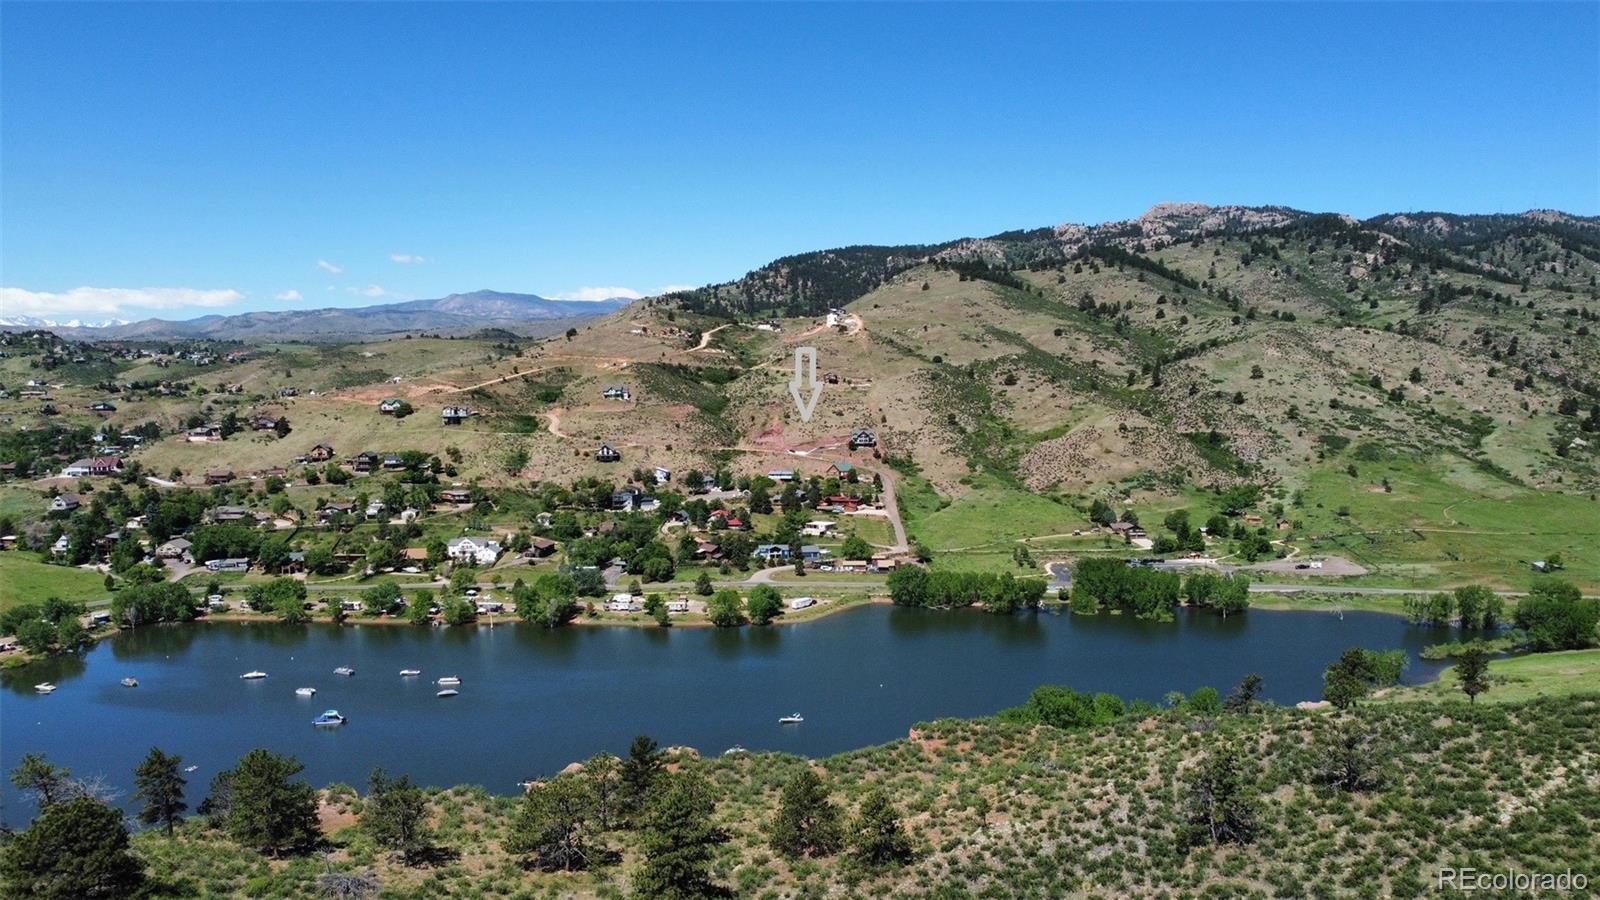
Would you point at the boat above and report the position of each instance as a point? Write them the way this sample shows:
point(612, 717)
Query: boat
point(447, 692)
point(191, 768)
point(410, 673)
point(791, 719)
point(253, 675)
point(344, 670)
point(328, 718)
point(130, 682)
point(735, 750)
point(449, 679)
point(44, 687)
point(305, 692)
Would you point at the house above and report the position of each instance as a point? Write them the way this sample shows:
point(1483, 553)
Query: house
point(1252, 520)
point(393, 462)
point(264, 423)
point(781, 476)
point(841, 471)
point(840, 503)
point(663, 475)
point(863, 437)
point(320, 453)
point(818, 528)
point(811, 553)
point(375, 509)
point(473, 551)
point(365, 461)
point(236, 564)
point(455, 495)
point(455, 415)
point(390, 406)
point(102, 407)
point(540, 547)
point(203, 434)
point(65, 503)
point(707, 550)
point(414, 554)
point(607, 454)
point(1285, 525)
point(883, 563)
point(99, 465)
point(330, 511)
point(61, 545)
point(229, 514)
point(626, 499)
point(177, 548)
point(219, 476)
point(850, 565)
point(617, 392)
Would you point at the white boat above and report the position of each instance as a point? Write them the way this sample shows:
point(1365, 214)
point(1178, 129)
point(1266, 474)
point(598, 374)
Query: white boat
point(735, 750)
point(447, 692)
point(410, 673)
point(44, 687)
point(449, 679)
point(253, 675)
point(344, 670)
point(305, 692)
point(190, 768)
point(791, 719)
point(130, 682)
point(328, 719)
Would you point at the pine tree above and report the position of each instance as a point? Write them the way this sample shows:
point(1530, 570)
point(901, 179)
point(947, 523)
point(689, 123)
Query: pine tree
point(552, 825)
point(1221, 808)
point(396, 814)
point(1472, 671)
point(267, 811)
point(640, 771)
point(75, 849)
point(160, 783)
point(679, 841)
point(807, 823)
point(876, 837)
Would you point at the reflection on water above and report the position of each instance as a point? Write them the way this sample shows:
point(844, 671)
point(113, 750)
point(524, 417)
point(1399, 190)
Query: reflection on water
point(533, 700)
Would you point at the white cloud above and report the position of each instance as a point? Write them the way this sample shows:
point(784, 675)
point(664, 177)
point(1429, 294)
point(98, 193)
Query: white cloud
point(372, 290)
point(290, 296)
point(329, 267)
point(597, 293)
point(407, 258)
point(109, 301)
point(607, 293)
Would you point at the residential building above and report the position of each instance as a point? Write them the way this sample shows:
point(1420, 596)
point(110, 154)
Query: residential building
point(64, 503)
point(863, 437)
point(455, 415)
point(473, 550)
point(607, 454)
point(617, 392)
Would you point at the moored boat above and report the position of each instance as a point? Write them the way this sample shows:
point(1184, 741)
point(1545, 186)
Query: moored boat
point(328, 718)
point(253, 675)
point(44, 687)
point(130, 682)
point(735, 750)
point(449, 679)
point(305, 692)
point(344, 670)
point(410, 673)
point(791, 719)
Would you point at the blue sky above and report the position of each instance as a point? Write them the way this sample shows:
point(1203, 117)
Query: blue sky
point(181, 159)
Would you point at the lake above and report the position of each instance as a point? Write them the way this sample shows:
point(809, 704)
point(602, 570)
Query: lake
point(532, 700)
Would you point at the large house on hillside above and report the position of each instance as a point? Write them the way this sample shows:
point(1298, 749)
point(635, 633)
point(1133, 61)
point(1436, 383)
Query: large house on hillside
point(320, 453)
point(617, 392)
point(204, 434)
point(863, 437)
point(607, 454)
point(455, 415)
point(64, 503)
point(99, 465)
point(473, 551)
point(389, 407)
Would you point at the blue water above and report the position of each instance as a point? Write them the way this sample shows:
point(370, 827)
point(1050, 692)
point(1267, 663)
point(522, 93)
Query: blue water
point(533, 700)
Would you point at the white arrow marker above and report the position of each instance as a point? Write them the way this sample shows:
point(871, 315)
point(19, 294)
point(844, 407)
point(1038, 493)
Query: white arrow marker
point(805, 373)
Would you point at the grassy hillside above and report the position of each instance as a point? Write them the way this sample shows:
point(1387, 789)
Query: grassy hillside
point(1417, 393)
point(1034, 811)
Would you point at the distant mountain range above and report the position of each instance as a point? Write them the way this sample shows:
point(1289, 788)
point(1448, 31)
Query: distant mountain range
point(526, 314)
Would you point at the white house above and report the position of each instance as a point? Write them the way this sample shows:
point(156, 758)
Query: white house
point(475, 551)
point(64, 503)
point(818, 528)
point(663, 474)
point(617, 392)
